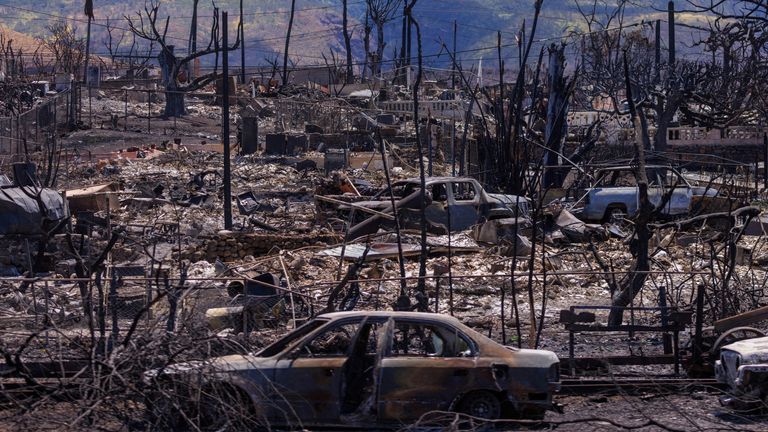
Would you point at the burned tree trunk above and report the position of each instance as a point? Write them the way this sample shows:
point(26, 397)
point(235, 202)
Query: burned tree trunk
point(557, 107)
point(367, 46)
point(174, 99)
point(287, 42)
point(348, 46)
point(192, 47)
point(631, 285)
point(379, 48)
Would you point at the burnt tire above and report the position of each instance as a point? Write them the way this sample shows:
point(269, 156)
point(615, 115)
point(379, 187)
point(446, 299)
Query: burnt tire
point(224, 407)
point(612, 212)
point(481, 404)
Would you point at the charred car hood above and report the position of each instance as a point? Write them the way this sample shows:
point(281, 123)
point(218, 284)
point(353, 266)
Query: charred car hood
point(533, 357)
point(230, 363)
point(507, 199)
point(751, 350)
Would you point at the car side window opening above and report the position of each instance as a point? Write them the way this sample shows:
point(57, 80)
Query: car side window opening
point(332, 342)
point(427, 340)
point(439, 192)
point(291, 338)
point(464, 191)
point(654, 180)
point(624, 179)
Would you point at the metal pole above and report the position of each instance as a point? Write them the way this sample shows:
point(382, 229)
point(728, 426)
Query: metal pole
point(765, 161)
point(699, 324)
point(225, 126)
point(125, 123)
point(658, 50)
point(671, 19)
point(242, 45)
point(453, 66)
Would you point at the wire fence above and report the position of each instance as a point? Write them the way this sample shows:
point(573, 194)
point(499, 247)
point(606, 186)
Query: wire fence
point(31, 129)
point(127, 299)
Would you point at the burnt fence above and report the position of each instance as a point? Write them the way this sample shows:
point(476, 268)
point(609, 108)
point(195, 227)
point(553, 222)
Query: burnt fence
point(32, 128)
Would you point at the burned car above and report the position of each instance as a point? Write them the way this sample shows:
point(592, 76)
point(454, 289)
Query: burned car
point(358, 369)
point(615, 192)
point(455, 202)
point(743, 366)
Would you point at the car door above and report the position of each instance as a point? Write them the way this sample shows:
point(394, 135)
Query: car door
point(436, 210)
point(682, 194)
point(656, 190)
point(308, 378)
point(424, 367)
point(463, 205)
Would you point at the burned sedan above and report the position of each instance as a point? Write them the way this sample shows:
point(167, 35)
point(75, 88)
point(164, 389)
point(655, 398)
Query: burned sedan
point(743, 366)
point(358, 369)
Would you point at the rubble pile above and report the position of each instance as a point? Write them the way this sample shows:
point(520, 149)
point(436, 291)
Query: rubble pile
point(232, 246)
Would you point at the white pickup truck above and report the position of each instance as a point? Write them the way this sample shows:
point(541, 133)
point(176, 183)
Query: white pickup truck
point(615, 192)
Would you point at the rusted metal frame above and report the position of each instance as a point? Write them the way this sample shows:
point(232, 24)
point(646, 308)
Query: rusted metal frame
point(290, 293)
point(675, 327)
point(742, 319)
point(344, 243)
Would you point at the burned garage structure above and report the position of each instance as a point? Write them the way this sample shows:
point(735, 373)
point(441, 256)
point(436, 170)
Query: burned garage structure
point(384, 214)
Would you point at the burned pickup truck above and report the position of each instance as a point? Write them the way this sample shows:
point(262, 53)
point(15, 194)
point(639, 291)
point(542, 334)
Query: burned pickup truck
point(454, 203)
point(615, 192)
point(357, 370)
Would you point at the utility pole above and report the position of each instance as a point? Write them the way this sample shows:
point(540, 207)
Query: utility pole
point(658, 51)
point(88, 10)
point(89, 13)
point(453, 66)
point(408, 44)
point(192, 40)
point(402, 42)
point(225, 125)
point(671, 19)
point(242, 45)
point(453, 111)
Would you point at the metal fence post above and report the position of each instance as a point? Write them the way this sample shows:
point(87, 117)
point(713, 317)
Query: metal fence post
point(125, 122)
point(149, 111)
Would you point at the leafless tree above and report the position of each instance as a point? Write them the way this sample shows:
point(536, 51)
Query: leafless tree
point(145, 26)
point(67, 49)
point(112, 41)
point(12, 58)
point(41, 60)
point(381, 12)
point(713, 94)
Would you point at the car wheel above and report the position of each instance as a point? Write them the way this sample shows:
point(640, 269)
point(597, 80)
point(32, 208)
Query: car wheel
point(613, 213)
point(224, 408)
point(482, 404)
